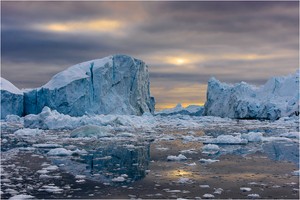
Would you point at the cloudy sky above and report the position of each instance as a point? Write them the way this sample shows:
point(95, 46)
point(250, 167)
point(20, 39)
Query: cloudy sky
point(183, 43)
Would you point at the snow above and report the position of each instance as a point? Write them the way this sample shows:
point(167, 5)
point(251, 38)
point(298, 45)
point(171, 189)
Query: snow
point(279, 97)
point(21, 196)
point(59, 152)
point(185, 181)
point(117, 84)
point(226, 139)
point(11, 99)
point(193, 110)
point(180, 157)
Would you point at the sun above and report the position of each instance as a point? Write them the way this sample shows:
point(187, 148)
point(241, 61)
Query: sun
point(180, 61)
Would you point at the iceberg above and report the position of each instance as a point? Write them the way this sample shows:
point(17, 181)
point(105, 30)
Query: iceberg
point(279, 97)
point(116, 84)
point(192, 110)
point(11, 99)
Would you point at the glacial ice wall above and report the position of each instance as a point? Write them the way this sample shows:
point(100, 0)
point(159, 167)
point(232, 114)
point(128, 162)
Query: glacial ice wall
point(116, 84)
point(279, 97)
point(11, 99)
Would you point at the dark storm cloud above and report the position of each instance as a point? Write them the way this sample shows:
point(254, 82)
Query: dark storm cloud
point(232, 41)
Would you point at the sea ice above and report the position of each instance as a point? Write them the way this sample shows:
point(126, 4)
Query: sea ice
point(226, 139)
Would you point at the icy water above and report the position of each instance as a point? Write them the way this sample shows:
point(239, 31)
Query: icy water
point(136, 166)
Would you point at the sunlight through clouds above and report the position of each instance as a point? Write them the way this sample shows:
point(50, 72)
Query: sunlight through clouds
point(102, 25)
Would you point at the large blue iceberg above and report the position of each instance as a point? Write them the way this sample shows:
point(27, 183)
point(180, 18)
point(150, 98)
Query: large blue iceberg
point(116, 84)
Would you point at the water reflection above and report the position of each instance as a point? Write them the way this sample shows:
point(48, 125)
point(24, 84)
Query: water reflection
point(282, 150)
point(110, 161)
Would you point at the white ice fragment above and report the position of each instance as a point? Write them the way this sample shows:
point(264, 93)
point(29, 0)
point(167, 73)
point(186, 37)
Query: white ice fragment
point(208, 196)
point(118, 179)
point(253, 196)
point(51, 168)
point(21, 197)
point(59, 152)
point(208, 161)
point(184, 181)
point(245, 189)
point(204, 186)
point(218, 191)
point(253, 136)
point(80, 177)
point(176, 158)
point(211, 147)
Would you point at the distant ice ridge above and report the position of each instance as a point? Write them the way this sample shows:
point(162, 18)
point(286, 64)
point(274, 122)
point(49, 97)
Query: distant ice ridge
point(11, 99)
point(116, 84)
point(279, 97)
point(192, 110)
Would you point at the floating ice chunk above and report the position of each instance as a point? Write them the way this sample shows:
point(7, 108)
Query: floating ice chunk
point(176, 158)
point(190, 164)
point(245, 189)
point(226, 139)
point(211, 147)
point(21, 196)
point(59, 152)
point(185, 181)
point(80, 176)
point(47, 145)
point(162, 148)
point(26, 148)
point(28, 132)
point(91, 131)
point(14, 119)
point(204, 186)
point(42, 171)
point(189, 151)
point(253, 136)
point(51, 168)
point(118, 179)
point(253, 196)
point(45, 176)
point(218, 191)
point(208, 161)
point(296, 173)
point(51, 189)
point(208, 196)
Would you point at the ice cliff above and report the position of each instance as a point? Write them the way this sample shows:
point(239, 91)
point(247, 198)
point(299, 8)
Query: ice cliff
point(116, 84)
point(279, 97)
point(11, 99)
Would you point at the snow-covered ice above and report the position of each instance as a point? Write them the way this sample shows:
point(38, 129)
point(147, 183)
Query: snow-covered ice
point(279, 97)
point(11, 99)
